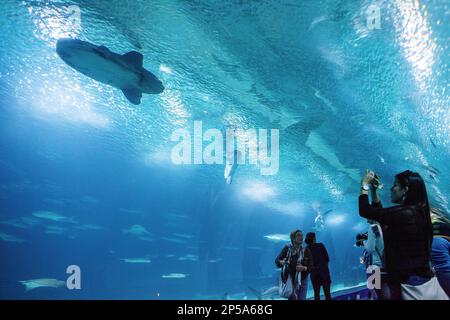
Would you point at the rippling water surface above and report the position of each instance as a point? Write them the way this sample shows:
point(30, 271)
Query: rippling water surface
point(87, 178)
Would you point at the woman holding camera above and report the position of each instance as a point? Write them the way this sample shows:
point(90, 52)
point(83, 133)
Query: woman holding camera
point(407, 233)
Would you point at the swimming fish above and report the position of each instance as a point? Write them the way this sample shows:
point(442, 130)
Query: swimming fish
point(124, 72)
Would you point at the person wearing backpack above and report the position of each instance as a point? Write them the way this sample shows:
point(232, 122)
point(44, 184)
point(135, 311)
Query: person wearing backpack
point(365, 259)
point(374, 245)
point(296, 264)
point(320, 274)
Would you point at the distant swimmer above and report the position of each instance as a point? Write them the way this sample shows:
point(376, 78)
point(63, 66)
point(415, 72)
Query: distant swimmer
point(231, 166)
point(124, 72)
point(319, 221)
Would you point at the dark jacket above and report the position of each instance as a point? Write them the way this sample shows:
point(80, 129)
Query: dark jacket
point(320, 260)
point(407, 234)
point(306, 261)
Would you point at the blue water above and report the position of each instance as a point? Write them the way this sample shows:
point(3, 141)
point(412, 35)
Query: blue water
point(344, 98)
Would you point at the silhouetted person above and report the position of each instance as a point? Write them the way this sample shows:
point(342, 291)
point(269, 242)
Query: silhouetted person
point(320, 274)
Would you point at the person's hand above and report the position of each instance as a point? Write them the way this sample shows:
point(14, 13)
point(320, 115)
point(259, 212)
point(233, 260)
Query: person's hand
point(301, 268)
point(376, 183)
point(283, 262)
point(367, 178)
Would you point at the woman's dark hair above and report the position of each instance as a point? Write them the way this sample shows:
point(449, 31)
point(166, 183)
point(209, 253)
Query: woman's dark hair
point(310, 238)
point(416, 194)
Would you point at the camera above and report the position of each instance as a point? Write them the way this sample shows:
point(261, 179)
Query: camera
point(360, 238)
point(376, 180)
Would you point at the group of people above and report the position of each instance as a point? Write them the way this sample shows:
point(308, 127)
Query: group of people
point(408, 244)
point(298, 263)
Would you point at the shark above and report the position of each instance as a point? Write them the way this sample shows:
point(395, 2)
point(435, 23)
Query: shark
point(188, 257)
point(321, 148)
point(182, 235)
point(14, 223)
point(137, 230)
point(271, 293)
point(55, 230)
point(136, 260)
point(37, 283)
point(174, 276)
point(89, 227)
point(53, 216)
point(215, 260)
point(122, 71)
point(278, 237)
point(10, 238)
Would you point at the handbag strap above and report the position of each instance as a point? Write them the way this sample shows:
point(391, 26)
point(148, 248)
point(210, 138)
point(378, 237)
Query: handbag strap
point(286, 266)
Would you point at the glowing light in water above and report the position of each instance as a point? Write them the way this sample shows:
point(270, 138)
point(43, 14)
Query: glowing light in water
point(416, 41)
point(56, 101)
point(258, 191)
point(174, 276)
point(360, 226)
point(335, 220)
point(53, 22)
point(174, 106)
point(165, 69)
point(278, 237)
point(157, 157)
point(293, 208)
